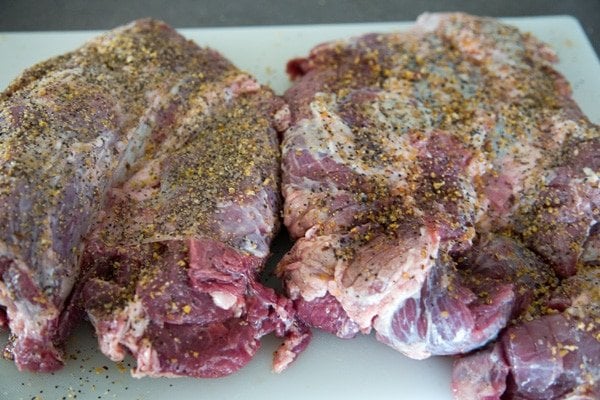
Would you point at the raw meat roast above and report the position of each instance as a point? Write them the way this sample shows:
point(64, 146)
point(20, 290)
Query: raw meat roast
point(442, 184)
point(170, 271)
point(139, 181)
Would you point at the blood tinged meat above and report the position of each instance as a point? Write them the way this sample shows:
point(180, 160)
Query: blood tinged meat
point(497, 260)
point(303, 176)
point(544, 356)
point(220, 348)
point(204, 289)
point(168, 294)
point(558, 354)
point(203, 320)
point(72, 125)
point(353, 68)
point(202, 351)
point(552, 355)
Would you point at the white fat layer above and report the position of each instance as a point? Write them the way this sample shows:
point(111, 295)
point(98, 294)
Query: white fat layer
point(136, 317)
point(109, 338)
point(125, 330)
point(565, 127)
point(592, 177)
point(242, 83)
point(135, 148)
point(428, 22)
point(223, 300)
point(308, 278)
point(285, 354)
point(147, 176)
point(347, 330)
point(282, 118)
point(148, 363)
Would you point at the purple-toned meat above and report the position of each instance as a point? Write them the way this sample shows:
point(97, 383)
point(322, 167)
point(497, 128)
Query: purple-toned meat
point(480, 376)
point(343, 285)
point(462, 307)
point(555, 355)
point(70, 127)
point(458, 308)
point(566, 207)
point(172, 265)
point(406, 147)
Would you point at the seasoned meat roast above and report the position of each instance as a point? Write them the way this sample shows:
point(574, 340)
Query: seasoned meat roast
point(165, 157)
point(441, 184)
point(171, 268)
point(69, 127)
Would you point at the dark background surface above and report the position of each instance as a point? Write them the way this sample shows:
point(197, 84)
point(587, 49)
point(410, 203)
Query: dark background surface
point(19, 15)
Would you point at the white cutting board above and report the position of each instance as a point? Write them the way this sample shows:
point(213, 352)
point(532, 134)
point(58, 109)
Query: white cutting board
point(330, 368)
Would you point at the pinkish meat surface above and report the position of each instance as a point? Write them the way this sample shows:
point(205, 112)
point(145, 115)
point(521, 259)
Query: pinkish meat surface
point(483, 377)
point(554, 355)
point(172, 265)
point(417, 169)
point(327, 313)
point(566, 207)
point(338, 280)
point(461, 307)
point(70, 128)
